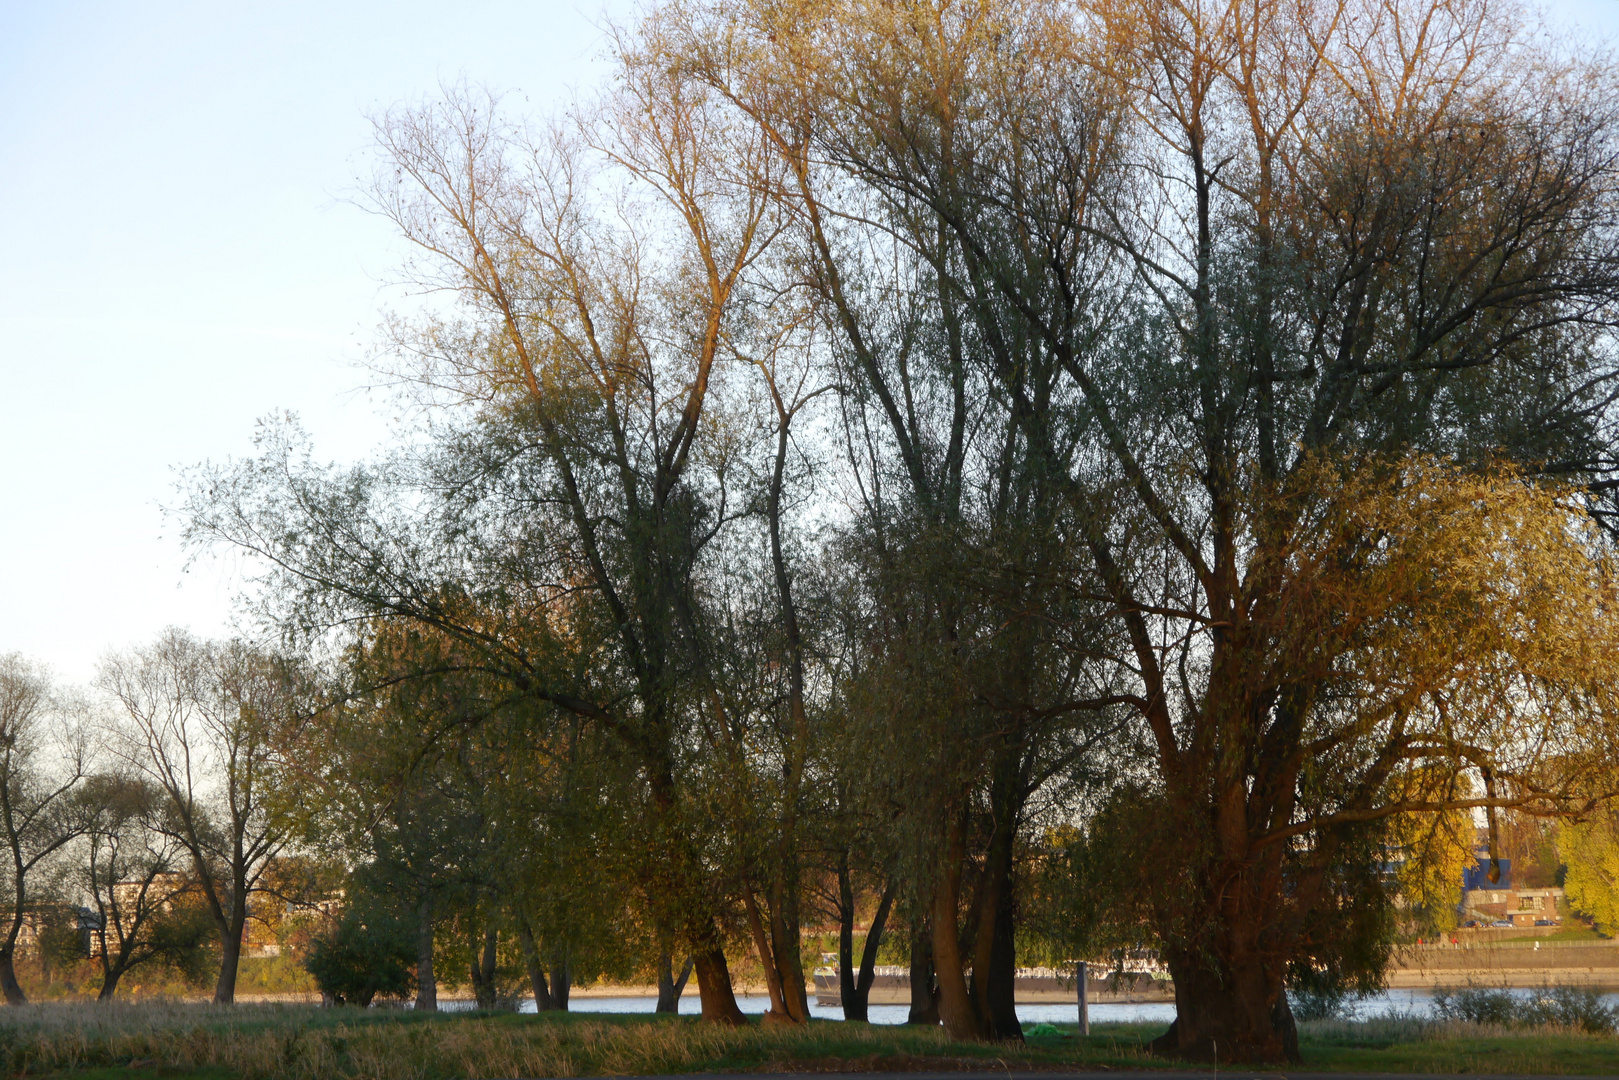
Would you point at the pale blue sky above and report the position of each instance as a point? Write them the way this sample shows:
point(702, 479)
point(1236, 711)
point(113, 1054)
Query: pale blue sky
point(176, 260)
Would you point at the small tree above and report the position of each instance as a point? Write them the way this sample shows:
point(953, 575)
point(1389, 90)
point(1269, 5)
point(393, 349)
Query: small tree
point(201, 721)
point(37, 810)
point(131, 870)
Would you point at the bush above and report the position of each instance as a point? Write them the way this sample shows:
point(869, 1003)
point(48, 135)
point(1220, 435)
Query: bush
point(1575, 1007)
point(363, 955)
point(1317, 1002)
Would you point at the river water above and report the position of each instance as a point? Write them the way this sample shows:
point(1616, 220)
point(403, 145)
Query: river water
point(1398, 1002)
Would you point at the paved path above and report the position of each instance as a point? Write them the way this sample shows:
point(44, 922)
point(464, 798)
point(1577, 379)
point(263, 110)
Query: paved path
point(1123, 1074)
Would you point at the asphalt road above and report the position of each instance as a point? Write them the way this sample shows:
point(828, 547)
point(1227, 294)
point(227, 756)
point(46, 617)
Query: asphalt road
point(1094, 1074)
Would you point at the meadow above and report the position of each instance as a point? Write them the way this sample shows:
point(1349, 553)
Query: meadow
point(297, 1042)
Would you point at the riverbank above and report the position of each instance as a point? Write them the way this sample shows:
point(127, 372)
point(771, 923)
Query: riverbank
point(286, 1042)
point(1522, 963)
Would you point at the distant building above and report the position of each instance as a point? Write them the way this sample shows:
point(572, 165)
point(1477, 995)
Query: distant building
point(1477, 876)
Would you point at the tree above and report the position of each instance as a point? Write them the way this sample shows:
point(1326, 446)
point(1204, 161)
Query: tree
point(982, 680)
point(1267, 254)
point(1255, 263)
point(588, 359)
point(1223, 423)
point(200, 723)
point(38, 809)
point(1590, 849)
point(132, 867)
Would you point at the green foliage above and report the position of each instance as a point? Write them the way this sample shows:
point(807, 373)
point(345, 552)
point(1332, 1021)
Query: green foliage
point(182, 937)
point(367, 952)
point(1575, 1007)
point(1311, 1000)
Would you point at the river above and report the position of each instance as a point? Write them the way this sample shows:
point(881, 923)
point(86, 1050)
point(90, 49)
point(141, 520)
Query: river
point(1398, 1002)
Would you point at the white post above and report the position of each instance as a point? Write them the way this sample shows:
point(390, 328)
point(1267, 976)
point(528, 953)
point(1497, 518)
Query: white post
point(1083, 979)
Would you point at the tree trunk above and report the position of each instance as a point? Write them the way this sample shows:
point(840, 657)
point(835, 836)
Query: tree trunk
point(8, 977)
point(779, 1012)
point(483, 969)
point(669, 987)
point(957, 1009)
point(855, 1006)
point(229, 961)
point(113, 969)
point(994, 945)
point(714, 987)
point(426, 984)
point(109, 984)
point(787, 950)
point(536, 970)
point(1235, 1016)
point(846, 972)
point(924, 991)
point(561, 979)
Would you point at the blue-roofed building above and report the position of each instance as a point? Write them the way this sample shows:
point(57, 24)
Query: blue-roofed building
point(1477, 876)
point(1498, 904)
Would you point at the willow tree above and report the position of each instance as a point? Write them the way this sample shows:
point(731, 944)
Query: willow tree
point(601, 270)
point(978, 686)
point(1286, 256)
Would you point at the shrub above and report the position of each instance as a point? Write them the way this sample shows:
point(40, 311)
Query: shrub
point(363, 955)
point(1575, 1007)
point(1317, 1002)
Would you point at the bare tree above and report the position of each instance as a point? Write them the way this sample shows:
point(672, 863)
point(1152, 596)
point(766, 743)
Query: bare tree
point(133, 869)
point(38, 812)
point(198, 721)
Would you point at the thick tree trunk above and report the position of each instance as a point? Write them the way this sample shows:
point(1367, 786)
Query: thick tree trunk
point(855, 1006)
point(561, 977)
point(113, 969)
point(998, 997)
point(426, 984)
point(536, 970)
point(230, 960)
point(669, 987)
point(1239, 1016)
point(483, 968)
point(8, 977)
point(714, 987)
point(924, 988)
point(957, 1009)
point(994, 951)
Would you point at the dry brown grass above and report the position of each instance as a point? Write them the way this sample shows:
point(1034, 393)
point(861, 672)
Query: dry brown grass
point(299, 1042)
point(302, 1043)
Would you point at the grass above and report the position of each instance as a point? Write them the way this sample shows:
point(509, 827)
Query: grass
point(296, 1042)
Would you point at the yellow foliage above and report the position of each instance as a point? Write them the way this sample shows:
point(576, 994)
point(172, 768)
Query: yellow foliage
point(1435, 849)
point(1591, 851)
point(1463, 622)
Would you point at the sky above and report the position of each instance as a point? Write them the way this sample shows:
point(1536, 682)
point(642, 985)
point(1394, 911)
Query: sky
point(179, 256)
